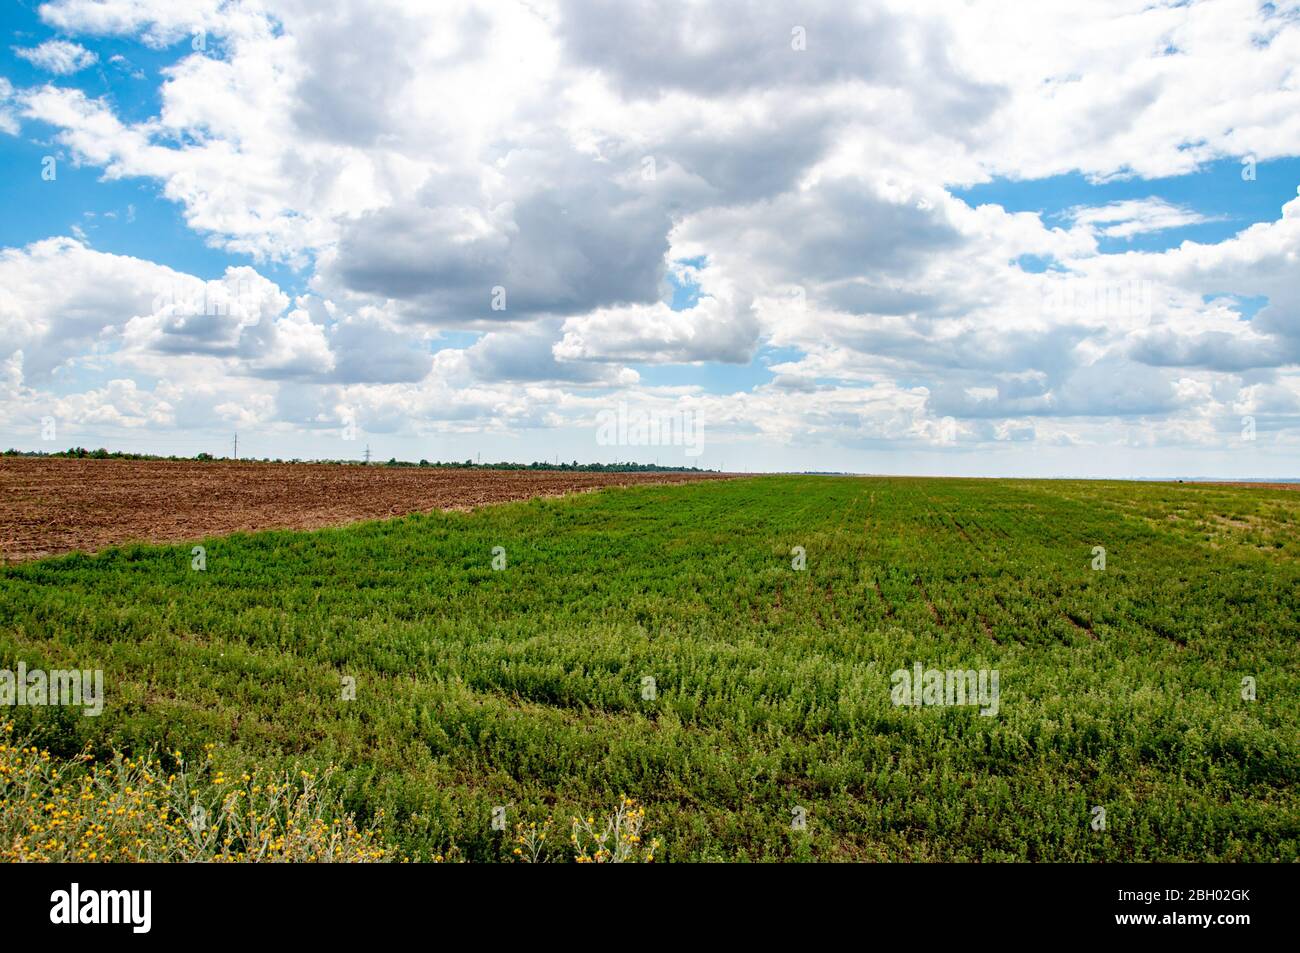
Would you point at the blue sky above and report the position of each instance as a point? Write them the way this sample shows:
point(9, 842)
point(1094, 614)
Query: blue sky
point(1217, 192)
point(125, 216)
point(804, 268)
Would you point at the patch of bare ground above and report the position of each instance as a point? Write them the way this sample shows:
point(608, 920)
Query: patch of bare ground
point(52, 505)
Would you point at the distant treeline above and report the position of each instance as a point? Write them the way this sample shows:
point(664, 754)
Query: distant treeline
point(81, 453)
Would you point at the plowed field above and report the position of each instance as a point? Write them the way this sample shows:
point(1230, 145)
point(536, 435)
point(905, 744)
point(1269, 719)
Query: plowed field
point(55, 505)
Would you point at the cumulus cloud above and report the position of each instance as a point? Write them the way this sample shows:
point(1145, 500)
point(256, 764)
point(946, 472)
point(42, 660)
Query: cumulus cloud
point(555, 236)
point(58, 296)
point(721, 326)
point(541, 184)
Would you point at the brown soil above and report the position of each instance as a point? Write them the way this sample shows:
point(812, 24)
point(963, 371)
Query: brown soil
point(54, 505)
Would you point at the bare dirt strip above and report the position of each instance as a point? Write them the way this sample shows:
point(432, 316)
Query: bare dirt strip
point(53, 505)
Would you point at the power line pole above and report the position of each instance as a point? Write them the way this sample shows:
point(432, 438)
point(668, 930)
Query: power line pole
point(367, 454)
point(236, 445)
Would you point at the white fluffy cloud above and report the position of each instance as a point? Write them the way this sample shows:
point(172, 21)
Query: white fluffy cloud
point(58, 56)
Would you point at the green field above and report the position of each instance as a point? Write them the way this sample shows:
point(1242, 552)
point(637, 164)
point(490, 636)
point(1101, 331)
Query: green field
point(1119, 688)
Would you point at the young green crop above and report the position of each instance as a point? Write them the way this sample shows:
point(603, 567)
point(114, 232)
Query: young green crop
point(656, 643)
